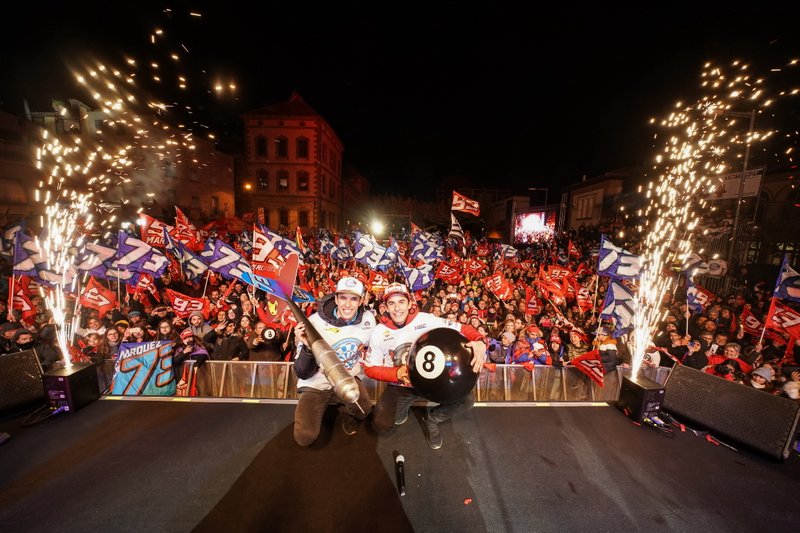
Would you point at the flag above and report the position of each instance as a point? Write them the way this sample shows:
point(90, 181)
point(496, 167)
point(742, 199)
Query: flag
point(301, 244)
point(616, 262)
point(137, 256)
point(465, 205)
point(448, 273)
point(186, 305)
point(619, 306)
point(455, 229)
point(95, 296)
point(591, 365)
point(698, 298)
point(694, 265)
point(266, 259)
point(572, 250)
point(153, 230)
point(223, 259)
point(368, 251)
point(144, 368)
point(191, 265)
point(10, 237)
point(498, 285)
point(788, 285)
point(783, 318)
point(186, 233)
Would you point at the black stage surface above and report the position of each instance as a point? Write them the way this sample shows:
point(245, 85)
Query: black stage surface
point(123, 465)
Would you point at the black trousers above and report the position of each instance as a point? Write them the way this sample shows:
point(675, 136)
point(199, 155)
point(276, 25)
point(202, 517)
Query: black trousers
point(396, 399)
point(311, 408)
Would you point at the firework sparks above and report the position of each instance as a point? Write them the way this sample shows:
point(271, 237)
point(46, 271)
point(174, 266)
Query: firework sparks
point(699, 147)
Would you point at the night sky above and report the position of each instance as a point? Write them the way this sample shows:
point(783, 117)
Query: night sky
point(492, 96)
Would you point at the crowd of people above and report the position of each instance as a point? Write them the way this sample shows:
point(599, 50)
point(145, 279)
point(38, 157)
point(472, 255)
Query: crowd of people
point(529, 326)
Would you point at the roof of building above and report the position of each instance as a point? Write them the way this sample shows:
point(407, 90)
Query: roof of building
point(293, 107)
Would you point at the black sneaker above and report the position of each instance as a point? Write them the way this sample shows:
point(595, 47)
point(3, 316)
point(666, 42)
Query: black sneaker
point(401, 418)
point(350, 424)
point(432, 433)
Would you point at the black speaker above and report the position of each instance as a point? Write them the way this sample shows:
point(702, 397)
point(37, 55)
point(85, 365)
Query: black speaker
point(20, 380)
point(748, 416)
point(640, 398)
point(72, 387)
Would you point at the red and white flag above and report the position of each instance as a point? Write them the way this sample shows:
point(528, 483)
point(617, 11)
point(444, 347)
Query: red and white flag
point(498, 285)
point(266, 260)
point(153, 231)
point(465, 205)
point(186, 233)
point(96, 296)
point(783, 318)
point(591, 365)
point(186, 305)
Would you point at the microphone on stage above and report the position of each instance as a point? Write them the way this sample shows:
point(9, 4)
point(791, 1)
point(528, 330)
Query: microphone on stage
point(399, 468)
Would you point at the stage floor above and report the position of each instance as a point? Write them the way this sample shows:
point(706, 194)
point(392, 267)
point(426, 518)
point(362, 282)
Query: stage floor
point(127, 465)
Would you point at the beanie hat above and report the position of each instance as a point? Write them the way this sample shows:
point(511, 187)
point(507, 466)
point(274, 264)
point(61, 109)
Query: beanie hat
point(510, 336)
point(764, 372)
point(186, 334)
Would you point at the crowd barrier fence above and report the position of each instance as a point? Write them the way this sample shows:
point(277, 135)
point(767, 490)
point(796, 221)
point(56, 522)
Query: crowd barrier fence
point(508, 383)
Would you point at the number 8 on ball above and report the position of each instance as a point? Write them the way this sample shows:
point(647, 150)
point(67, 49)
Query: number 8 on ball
point(429, 362)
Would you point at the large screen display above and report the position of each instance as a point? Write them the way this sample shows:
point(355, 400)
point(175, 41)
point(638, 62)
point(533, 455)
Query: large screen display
point(534, 226)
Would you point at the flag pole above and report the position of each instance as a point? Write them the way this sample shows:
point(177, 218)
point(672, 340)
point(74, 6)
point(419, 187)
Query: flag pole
point(205, 286)
point(11, 295)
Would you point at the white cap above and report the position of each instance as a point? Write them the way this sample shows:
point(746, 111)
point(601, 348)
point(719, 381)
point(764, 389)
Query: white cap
point(350, 284)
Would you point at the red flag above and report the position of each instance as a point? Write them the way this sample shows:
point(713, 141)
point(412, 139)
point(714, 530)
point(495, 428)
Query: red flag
point(301, 244)
point(591, 365)
point(186, 233)
point(448, 273)
point(498, 285)
point(266, 260)
point(378, 281)
point(783, 318)
point(186, 305)
point(95, 296)
point(465, 205)
point(153, 231)
point(21, 301)
point(532, 304)
point(572, 250)
point(473, 266)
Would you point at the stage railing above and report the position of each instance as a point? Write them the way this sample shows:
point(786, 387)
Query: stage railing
point(508, 383)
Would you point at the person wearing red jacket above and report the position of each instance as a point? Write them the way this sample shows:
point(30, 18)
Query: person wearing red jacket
point(386, 360)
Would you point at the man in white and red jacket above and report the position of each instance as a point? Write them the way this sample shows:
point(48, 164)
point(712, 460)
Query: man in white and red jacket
point(387, 356)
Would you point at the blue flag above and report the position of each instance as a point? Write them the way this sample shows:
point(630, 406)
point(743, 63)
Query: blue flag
point(788, 285)
point(616, 262)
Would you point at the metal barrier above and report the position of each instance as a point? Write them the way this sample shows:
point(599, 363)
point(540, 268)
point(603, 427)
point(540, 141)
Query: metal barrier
point(508, 383)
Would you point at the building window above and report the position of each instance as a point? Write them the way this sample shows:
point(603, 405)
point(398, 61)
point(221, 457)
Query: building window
point(324, 152)
point(98, 125)
point(282, 147)
point(262, 177)
point(284, 217)
point(302, 181)
point(322, 219)
point(193, 176)
point(302, 218)
point(283, 180)
point(302, 148)
point(261, 146)
point(324, 184)
point(214, 205)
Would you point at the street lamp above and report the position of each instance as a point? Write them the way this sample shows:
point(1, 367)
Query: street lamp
point(546, 192)
point(735, 229)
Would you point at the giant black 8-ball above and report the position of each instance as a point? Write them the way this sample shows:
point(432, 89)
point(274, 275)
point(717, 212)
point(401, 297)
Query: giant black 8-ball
point(439, 366)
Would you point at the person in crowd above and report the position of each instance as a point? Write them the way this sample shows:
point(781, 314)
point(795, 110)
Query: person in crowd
point(761, 379)
point(607, 347)
point(190, 348)
point(43, 345)
point(198, 324)
point(93, 325)
point(267, 342)
point(226, 343)
point(387, 357)
point(576, 346)
point(166, 332)
point(346, 326)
